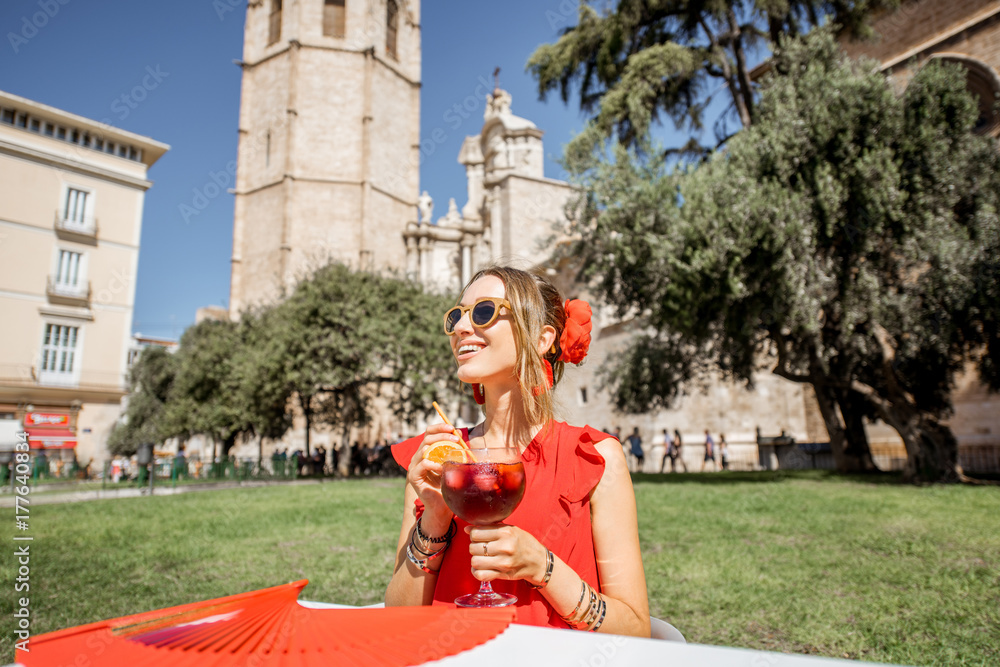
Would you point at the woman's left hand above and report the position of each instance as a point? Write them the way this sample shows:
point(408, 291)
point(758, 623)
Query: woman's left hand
point(500, 551)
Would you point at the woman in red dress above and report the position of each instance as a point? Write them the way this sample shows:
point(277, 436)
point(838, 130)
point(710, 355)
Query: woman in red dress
point(570, 551)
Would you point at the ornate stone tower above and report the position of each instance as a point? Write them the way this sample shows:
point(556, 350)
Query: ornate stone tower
point(513, 211)
point(328, 162)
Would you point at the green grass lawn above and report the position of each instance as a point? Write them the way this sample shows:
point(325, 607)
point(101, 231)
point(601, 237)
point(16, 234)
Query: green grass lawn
point(801, 562)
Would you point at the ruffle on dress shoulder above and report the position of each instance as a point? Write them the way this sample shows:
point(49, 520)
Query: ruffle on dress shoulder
point(586, 465)
point(403, 451)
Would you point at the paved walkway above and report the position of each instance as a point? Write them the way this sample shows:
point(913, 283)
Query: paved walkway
point(164, 489)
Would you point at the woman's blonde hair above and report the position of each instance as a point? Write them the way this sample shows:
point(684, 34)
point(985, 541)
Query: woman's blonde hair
point(534, 302)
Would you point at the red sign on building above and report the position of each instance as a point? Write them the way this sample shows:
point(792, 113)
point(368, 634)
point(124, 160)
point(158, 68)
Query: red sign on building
point(52, 419)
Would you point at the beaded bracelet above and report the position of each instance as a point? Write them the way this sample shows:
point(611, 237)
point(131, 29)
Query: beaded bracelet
point(445, 539)
point(452, 529)
point(423, 552)
point(549, 564)
point(428, 555)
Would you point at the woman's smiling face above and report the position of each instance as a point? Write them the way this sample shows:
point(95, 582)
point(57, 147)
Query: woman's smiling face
point(485, 354)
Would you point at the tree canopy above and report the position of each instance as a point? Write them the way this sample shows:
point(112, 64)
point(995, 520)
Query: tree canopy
point(330, 348)
point(848, 239)
point(145, 418)
point(342, 333)
point(206, 394)
point(652, 58)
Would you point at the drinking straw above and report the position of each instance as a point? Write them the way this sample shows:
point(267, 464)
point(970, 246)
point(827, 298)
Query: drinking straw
point(454, 430)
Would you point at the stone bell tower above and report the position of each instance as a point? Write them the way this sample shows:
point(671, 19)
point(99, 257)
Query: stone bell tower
point(328, 161)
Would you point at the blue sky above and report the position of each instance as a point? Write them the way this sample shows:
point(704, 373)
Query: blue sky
point(87, 55)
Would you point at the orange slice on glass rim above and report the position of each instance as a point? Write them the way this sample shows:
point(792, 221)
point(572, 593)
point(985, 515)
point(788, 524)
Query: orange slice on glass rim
point(442, 451)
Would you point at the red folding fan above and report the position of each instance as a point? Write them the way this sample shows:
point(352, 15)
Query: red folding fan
point(268, 628)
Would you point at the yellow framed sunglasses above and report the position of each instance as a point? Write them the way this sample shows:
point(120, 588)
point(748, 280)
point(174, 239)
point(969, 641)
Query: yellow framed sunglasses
point(482, 313)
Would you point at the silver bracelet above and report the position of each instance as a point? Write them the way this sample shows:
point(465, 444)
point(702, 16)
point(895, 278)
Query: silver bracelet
point(600, 620)
point(550, 562)
point(583, 594)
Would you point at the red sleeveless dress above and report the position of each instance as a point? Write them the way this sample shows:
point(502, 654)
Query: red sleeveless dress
point(561, 467)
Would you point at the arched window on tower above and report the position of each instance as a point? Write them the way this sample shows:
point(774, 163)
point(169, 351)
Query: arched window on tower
point(334, 18)
point(391, 28)
point(274, 23)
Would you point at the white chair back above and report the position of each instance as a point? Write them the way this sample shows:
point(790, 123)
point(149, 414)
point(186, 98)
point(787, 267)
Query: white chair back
point(663, 630)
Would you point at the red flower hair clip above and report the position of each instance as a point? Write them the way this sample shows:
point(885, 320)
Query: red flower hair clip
point(575, 339)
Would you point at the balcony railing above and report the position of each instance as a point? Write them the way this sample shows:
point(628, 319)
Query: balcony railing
point(81, 231)
point(28, 375)
point(69, 295)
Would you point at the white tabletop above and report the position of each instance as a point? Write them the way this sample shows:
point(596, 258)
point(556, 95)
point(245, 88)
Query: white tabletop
point(523, 645)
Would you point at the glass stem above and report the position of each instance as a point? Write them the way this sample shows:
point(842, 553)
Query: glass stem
point(486, 589)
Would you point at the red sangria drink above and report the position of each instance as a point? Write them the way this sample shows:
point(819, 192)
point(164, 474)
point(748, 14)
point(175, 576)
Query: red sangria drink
point(483, 487)
point(482, 493)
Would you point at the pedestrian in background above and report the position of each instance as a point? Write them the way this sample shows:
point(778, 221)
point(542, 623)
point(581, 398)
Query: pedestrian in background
point(679, 446)
point(709, 452)
point(723, 451)
point(180, 463)
point(669, 452)
point(635, 444)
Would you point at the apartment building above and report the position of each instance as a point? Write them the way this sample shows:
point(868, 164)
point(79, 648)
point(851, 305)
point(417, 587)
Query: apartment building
point(71, 204)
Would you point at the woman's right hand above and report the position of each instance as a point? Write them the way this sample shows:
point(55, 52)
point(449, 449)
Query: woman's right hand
point(425, 478)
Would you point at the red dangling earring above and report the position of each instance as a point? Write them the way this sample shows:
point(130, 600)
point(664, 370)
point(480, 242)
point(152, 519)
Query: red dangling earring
point(478, 394)
point(549, 379)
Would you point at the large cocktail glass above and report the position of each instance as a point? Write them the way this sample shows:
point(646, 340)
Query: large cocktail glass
point(483, 486)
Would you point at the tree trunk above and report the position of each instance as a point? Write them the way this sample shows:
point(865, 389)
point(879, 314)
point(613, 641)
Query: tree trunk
point(228, 444)
point(827, 400)
point(847, 457)
point(742, 69)
point(857, 451)
point(931, 447)
point(306, 404)
point(729, 76)
point(348, 451)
